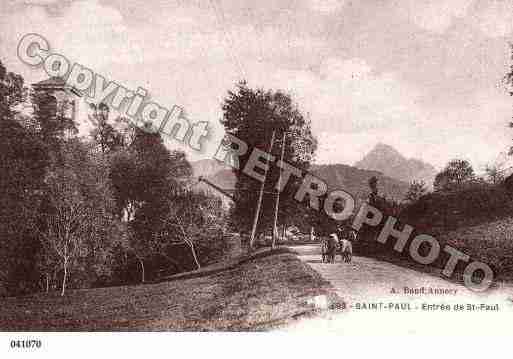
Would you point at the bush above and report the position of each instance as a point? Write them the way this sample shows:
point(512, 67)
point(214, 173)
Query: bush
point(219, 247)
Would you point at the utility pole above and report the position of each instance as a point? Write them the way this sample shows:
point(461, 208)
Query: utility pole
point(260, 197)
point(277, 205)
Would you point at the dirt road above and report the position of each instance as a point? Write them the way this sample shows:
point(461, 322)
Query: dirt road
point(383, 298)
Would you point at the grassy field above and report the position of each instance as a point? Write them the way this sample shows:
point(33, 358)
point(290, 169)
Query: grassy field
point(259, 294)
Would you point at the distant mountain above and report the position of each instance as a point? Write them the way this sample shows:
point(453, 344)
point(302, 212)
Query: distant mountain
point(207, 167)
point(356, 181)
point(337, 176)
point(390, 162)
point(216, 173)
point(224, 178)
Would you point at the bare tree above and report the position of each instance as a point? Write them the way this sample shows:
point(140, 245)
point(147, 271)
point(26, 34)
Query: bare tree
point(184, 222)
point(191, 217)
point(141, 250)
point(68, 223)
point(47, 263)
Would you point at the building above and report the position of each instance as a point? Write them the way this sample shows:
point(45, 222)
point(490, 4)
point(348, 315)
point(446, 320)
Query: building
point(67, 97)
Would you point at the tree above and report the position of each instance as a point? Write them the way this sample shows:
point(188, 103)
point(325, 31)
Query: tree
point(417, 189)
point(12, 92)
point(146, 177)
point(47, 264)
point(192, 219)
point(495, 173)
point(104, 134)
point(77, 220)
point(142, 249)
point(373, 185)
point(125, 182)
point(145, 171)
point(106, 230)
point(68, 222)
point(252, 115)
point(456, 175)
point(508, 81)
point(387, 205)
point(22, 167)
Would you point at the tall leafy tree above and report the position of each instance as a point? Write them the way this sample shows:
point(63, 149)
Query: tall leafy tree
point(146, 172)
point(77, 219)
point(12, 92)
point(456, 175)
point(22, 167)
point(103, 133)
point(253, 115)
point(495, 173)
point(146, 177)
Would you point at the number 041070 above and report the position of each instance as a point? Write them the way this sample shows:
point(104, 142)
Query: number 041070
point(25, 344)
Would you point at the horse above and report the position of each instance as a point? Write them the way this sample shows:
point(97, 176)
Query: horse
point(346, 246)
point(346, 250)
point(328, 250)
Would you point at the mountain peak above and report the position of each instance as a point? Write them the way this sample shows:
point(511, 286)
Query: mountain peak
point(380, 146)
point(387, 160)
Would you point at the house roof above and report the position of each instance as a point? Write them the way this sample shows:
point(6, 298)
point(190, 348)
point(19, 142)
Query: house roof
point(55, 83)
point(51, 82)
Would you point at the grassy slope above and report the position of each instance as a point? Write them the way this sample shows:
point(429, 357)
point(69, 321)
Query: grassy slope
point(491, 243)
point(258, 294)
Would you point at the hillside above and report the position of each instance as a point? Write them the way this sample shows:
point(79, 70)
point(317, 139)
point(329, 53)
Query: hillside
point(488, 242)
point(390, 162)
point(207, 168)
point(355, 181)
point(216, 173)
point(338, 176)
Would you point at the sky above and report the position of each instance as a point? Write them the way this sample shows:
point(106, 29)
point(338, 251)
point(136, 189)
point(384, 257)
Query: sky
point(424, 76)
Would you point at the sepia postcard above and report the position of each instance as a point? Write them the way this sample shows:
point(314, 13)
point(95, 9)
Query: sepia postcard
point(304, 168)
